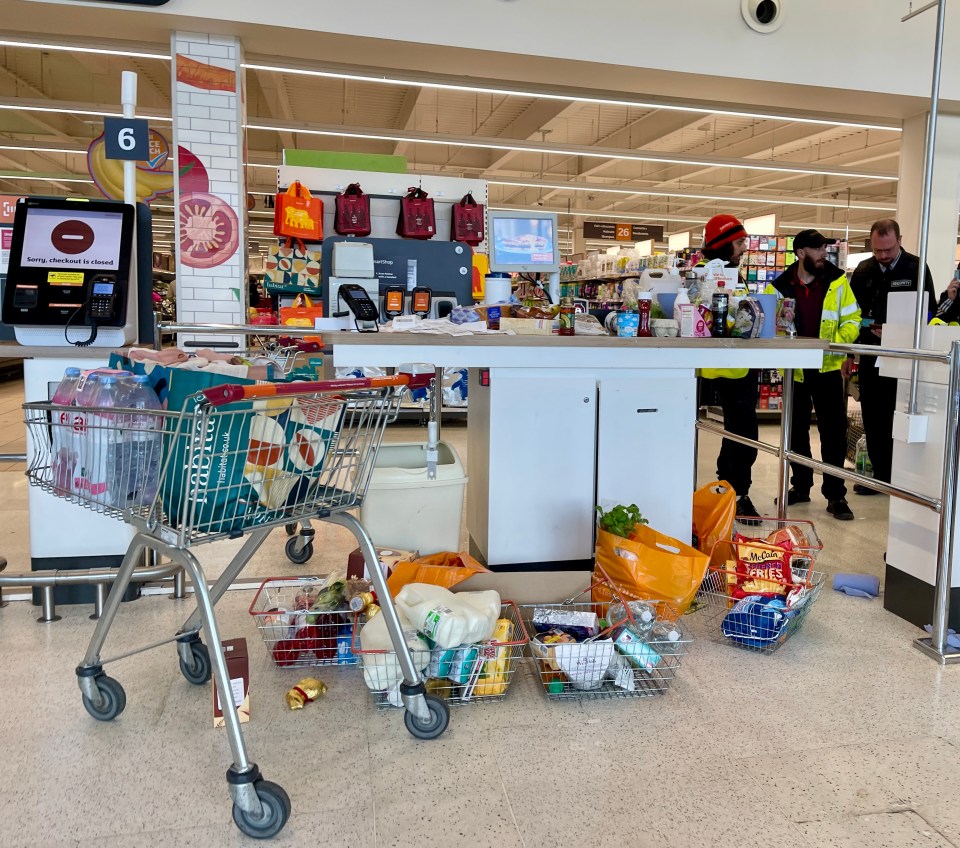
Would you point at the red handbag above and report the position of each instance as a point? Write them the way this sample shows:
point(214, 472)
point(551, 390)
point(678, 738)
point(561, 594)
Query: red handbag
point(298, 214)
point(467, 221)
point(352, 216)
point(417, 217)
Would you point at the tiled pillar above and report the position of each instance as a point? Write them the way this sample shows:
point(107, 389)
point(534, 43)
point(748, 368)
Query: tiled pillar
point(209, 111)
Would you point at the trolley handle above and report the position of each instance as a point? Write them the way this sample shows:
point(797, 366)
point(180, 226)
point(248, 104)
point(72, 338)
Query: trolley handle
point(221, 395)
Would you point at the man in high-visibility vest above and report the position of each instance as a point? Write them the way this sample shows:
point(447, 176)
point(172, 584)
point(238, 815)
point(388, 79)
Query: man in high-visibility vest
point(825, 309)
point(725, 238)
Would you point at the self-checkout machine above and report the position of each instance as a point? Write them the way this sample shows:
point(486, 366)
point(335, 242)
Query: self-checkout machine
point(78, 287)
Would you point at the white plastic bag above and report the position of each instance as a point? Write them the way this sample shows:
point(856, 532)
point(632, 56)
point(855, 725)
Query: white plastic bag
point(382, 671)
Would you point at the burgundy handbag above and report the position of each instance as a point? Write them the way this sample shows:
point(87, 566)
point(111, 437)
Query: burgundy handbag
point(467, 221)
point(417, 217)
point(352, 217)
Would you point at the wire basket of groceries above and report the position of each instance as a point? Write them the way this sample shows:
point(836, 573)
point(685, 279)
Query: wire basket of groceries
point(311, 621)
point(465, 645)
point(630, 647)
point(759, 590)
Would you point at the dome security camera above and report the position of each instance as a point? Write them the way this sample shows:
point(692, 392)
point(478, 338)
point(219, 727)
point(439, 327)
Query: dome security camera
point(762, 15)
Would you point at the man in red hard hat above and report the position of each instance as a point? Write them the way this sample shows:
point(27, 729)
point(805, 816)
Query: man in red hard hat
point(737, 388)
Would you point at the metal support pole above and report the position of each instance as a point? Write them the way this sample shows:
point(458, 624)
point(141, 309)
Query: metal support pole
point(925, 204)
point(48, 606)
point(936, 645)
point(3, 603)
point(100, 598)
point(786, 434)
point(179, 586)
point(157, 342)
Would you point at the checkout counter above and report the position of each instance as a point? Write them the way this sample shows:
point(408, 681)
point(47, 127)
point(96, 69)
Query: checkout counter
point(559, 424)
point(78, 287)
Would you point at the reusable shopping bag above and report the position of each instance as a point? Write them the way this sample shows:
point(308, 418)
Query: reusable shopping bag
point(417, 217)
point(352, 212)
point(228, 472)
point(443, 569)
point(714, 510)
point(649, 565)
point(298, 214)
point(301, 314)
point(291, 268)
point(467, 221)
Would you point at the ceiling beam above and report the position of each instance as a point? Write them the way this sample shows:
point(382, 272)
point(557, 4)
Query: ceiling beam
point(533, 119)
point(406, 116)
point(276, 98)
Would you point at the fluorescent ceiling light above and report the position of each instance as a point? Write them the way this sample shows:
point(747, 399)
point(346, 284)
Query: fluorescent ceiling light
point(64, 110)
point(626, 216)
point(73, 48)
point(733, 198)
point(630, 104)
point(586, 153)
point(565, 98)
point(44, 149)
point(33, 177)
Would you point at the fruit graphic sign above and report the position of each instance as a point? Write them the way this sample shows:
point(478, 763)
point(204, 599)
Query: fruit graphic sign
point(153, 179)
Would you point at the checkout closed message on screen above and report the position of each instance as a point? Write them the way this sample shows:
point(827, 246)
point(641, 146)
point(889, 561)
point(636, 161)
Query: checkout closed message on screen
point(58, 238)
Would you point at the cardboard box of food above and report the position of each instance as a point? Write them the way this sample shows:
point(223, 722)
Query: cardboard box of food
point(238, 667)
point(528, 326)
point(389, 557)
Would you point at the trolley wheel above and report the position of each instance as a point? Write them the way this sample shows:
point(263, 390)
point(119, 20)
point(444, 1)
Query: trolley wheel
point(291, 529)
point(198, 673)
point(301, 556)
point(434, 726)
point(276, 811)
point(114, 699)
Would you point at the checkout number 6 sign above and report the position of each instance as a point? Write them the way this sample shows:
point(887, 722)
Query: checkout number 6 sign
point(126, 138)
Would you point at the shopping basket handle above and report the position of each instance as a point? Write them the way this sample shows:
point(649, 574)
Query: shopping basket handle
point(220, 395)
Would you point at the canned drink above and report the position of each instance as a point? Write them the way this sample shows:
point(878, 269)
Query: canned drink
point(358, 603)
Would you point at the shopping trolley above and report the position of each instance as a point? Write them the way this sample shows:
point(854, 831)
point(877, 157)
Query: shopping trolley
point(168, 475)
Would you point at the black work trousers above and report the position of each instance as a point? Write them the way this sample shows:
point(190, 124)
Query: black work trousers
point(824, 393)
point(878, 402)
point(738, 399)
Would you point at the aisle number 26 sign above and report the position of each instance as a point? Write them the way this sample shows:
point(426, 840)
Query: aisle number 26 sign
point(126, 138)
point(624, 232)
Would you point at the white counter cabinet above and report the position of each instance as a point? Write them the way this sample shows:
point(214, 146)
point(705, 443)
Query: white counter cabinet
point(558, 425)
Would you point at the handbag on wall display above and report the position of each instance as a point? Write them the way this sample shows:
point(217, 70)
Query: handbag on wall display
point(467, 221)
point(291, 269)
point(352, 212)
point(417, 217)
point(298, 214)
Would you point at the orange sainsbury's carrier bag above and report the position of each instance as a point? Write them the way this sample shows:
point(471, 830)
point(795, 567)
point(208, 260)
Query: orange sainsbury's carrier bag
point(714, 511)
point(443, 569)
point(649, 565)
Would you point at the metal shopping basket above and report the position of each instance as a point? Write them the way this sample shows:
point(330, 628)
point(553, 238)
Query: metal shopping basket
point(298, 635)
point(627, 660)
point(469, 674)
point(168, 474)
point(756, 594)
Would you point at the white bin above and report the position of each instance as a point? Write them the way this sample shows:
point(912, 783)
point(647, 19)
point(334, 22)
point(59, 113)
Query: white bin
point(403, 509)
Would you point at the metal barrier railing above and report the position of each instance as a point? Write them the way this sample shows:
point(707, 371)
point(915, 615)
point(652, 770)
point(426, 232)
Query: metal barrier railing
point(944, 505)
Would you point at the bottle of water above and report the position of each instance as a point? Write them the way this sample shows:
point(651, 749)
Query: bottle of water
point(137, 461)
point(64, 445)
point(105, 442)
point(643, 616)
point(666, 637)
point(863, 464)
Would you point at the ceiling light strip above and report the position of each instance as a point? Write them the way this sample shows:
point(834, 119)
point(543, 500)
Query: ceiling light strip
point(565, 98)
point(733, 198)
point(67, 110)
point(589, 153)
point(76, 48)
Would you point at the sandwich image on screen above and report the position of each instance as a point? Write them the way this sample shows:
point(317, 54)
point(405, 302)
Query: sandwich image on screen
point(68, 238)
point(526, 241)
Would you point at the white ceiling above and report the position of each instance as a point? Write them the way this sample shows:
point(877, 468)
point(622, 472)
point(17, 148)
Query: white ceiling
point(574, 131)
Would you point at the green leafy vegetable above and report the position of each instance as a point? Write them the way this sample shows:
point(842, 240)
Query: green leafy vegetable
point(621, 519)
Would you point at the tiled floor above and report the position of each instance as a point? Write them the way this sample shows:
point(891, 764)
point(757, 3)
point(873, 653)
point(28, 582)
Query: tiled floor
point(847, 737)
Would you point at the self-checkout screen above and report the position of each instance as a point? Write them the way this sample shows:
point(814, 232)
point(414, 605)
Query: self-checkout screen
point(72, 238)
point(523, 241)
